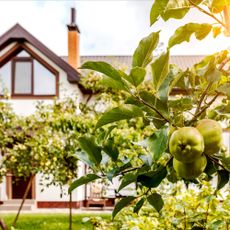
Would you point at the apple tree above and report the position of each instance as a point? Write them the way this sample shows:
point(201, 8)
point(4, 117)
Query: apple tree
point(179, 106)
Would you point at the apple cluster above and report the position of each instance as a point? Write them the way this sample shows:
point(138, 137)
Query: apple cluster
point(191, 145)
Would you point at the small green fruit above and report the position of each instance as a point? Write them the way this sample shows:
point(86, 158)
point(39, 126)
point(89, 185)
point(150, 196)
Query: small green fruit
point(190, 170)
point(212, 134)
point(186, 144)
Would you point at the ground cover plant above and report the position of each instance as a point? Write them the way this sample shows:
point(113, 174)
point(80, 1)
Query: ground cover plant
point(50, 221)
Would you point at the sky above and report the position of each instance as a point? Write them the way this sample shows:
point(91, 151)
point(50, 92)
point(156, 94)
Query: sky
point(109, 27)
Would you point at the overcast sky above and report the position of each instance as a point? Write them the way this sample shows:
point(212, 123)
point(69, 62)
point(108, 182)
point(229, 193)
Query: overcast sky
point(107, 27)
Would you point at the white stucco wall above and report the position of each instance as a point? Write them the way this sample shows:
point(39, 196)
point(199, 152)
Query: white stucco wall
point(53, 192)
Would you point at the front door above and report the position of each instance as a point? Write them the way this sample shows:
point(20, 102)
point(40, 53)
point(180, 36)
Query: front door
point(16, 187)
point(19, 185)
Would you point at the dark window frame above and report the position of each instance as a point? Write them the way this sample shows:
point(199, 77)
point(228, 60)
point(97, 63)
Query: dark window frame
point(13, 63)
point(10, 56)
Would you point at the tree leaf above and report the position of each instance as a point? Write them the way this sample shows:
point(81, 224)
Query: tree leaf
point(113, 84)
point(184, 33)
point(225, 89)
point(213, 76)
point(107, 69)
point(84, 157)
point(111, 150)
point(175, 9)
point(89, 145)
point(121, 204)
point(210, 168)
point(218, 5)
point(153, 101)
point(157, 9)
point(143, 53)
point(160, 68)
point(165, 88)
point(226, 162)
point(216, 30)
point(137, 75)
point(138, 205)
point(82, 180)
point(156, 201)
point(223, 178)
point(119, 113)
point(158, 143)
point(152, 179)
point(127, 179)
point(104, 134)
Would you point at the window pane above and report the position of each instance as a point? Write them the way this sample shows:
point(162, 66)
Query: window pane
point(5, 78)
point(23, 77)
point(44, 80)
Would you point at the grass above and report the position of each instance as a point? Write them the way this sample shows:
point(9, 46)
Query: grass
point(50, 221)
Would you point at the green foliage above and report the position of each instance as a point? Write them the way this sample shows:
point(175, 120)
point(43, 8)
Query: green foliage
point(184, 33)
point(121, 204)
point(119, 113)
point(83, 180)
point(143, 53)
point(156, 201)
point(173, 98)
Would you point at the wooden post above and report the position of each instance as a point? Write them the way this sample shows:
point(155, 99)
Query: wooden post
point(70, 211)
point(23, 199)
point(3, 225)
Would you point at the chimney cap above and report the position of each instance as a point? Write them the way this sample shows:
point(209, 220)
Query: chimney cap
point(73, 26)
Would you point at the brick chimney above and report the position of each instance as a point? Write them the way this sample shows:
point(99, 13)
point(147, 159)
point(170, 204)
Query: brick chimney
point(73, 41)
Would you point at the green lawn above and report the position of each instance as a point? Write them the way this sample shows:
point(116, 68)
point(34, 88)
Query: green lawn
point(50, 221)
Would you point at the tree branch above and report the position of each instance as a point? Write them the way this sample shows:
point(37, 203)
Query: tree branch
point(207, 13)
point(205, 107)
point(223, 63)
point(202, 97)
point(216, 161)
point(153, 108)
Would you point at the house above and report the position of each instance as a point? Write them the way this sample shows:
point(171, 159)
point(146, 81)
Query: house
point(29, 71)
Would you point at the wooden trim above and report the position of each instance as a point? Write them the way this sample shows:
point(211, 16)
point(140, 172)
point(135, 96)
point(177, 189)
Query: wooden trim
point(19, 34)
point(14, 62)
point(39, 59)
point(33, 188)
point(58, 204)
point(9, 186)
point(11, 55)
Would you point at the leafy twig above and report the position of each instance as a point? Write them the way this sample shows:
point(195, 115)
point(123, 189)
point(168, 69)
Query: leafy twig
point(207, 13)
point(153, 108)
point(130, 170)
point(205, 107)
point(223, 63)
point(216, 161)
point(202, 97)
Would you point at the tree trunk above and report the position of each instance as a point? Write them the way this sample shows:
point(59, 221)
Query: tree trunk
point(3, 225)
point(70, 211)
point(23, 199)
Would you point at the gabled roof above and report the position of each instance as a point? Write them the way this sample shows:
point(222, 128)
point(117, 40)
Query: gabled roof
point(19, 34)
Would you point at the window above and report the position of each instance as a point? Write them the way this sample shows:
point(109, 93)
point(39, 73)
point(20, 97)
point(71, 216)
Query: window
point(22, 73)
point(28, 76)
